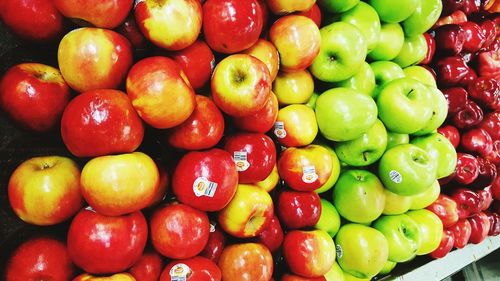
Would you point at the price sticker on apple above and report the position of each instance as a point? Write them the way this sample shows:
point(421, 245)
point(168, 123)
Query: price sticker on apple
point(180, 272)
point(203, 187)
point(279, 129)
point(338, 250)
point(240, 159)
point(395, 176)
point(309, 174)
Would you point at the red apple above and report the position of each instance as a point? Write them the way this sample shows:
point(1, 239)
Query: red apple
point(470, 6)
point(494, 223)
point(305, 168)
point(486, 176)
point(461, 232)
point(40, 258)
point(160, 92)
point(494, 155)
point(474, 36)
point(467, 202)
point(431, 49)
point(263, 120)
point(469, 76)
point(94, 58)
point(45, 190)
point(445, 246)
point(34, 20)
point(450, 70)
point(450, 39)
point(298, 209)
point(486, 92)
point(470, 116)
point(476, 141)
point(291, 277)
point(489, 30)
point(99, 13)
point(192, 269)
point(172, 25)
point(216, 243)
point(197, 62)
point(295, 125)
point(101, 245)
point(495, 186)
point(267, 53)
point(254, 155)
point(148, 267)
point(206, 180)
point(446, 209)
point(480, 226)
point(246, 262)
point(491, 124)
point(467, 169)
point(313, 13)
point(175, 222)
point(456, 97)
point(131, 31)
point(451, 133)
point(241, 21)
point(272, 235)
point(101, 122)
point(34, 96)
point(202, 130)
point(454, 18)
point(489, 62)
point(485, 198)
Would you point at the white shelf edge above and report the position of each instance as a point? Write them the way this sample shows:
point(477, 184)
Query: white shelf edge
point(441, 268)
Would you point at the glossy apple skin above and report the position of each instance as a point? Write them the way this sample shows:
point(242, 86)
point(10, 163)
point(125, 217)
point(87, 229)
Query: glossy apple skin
point(445, 246)
point(451, 133)
point(200, 269)
point(300, 125)
point(106, 14)
point(474, 36)
point(486, 175)
point(268, 54)
point(175, 222)
point(216, 166)
point(491, 124)
point(118, 245)
point(450, 6)
point(94, 58)
point(34, 96)
point(495, 186)
point(246, 262)
point(197, 62)
point(461, 232)
point(156, 21)
point(485, 91)
point(216, 243)
point(34, 20)
point(456, 97)
point(260, 153)
point(263, 120)
point(40, 258)
point(293, 161)
point(446, 209)
point(467, 202)
point(467, 169)
point(113, 277)
point(45, 190)
point(101, 122)
point(272, 235)
point(160, 92)
point(297, 39)
point(202, 130)
point(476, 141)
point(471, 115)
point(280, 7)
point(480, 226)
point(456, 17)
point(494, 155)
point(298, 209)
point(313, 13)
point(450, 39)
point(242, 22)
point(489, 63)
point(148, 267)
point(450, 70)
point(485, 198)
point(131, 31)
point(494, 223)
point(431, 49)
point(309, 253)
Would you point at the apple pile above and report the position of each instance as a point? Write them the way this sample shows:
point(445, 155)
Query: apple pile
point(228, 140)
point(465, 55)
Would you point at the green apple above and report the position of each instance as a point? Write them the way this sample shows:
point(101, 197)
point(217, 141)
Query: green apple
point(342, 52)
point(366, 149)
point(335, 273)
point(404, 105)
point(424, 17)
point(396, 204)
point(385, 71)
point(312, 100)
point(361, 250)
point(421, 74)
point(430, 228)
point(394, 139)
point(407, 169)
point(394, 11)
point(413, 51)
point(425, 198)
point(402, 234)
point(329, 220)
point(337, 6)
point(335, 170)
point(440, 150)
point(363, 80)
point(439, 107)
point(349, 277)
point(345, 114)
point(359, 196)
point(390, 43)
point(388, 267)
point(366, 19)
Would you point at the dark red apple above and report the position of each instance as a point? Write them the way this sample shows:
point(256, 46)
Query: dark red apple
point(480, 226)
point(100, 244)
point(467, 168)
point(470, 6)
point(486, 92)
point(476, 141)
point(451, 133)
point(454, 18)
point(491, 124)
point(470, 76)
point(485, 198)
point(470, 116)
point(490, 34)
point(494, 155)
point(445, 245)
point(192, 269)
point(494, 223)
point(487, 174)
point(489, 63)
point(461, 232)
point(495, 186)
point(446, 209)
point(450, 39)
point(272, 235)
point(456, 97)
point(131, 31)
point(298, 209)
point(450, 6)
point(148, 267)
point(467, 202)
point(450, 70)
point(216, 243)
point(431, 49)
point(197, 62)
point(474, 36)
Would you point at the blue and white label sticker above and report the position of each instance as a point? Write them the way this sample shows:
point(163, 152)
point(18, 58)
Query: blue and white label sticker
point(203, 187)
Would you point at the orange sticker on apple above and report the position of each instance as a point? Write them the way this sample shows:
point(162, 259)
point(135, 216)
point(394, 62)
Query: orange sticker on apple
point(240, 159)
point(395, 176)
point(203, 187)
point(279, 129)
point(180, 272)
point(309, 174)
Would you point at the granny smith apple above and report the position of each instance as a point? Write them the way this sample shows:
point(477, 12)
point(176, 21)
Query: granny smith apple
point(337, 6)
point(349, 277)
point(407, 169)
point(335, 169)
point(388, 267)
point(342, 52)
point(361, 250)
point(421, 74)
point(335, 273)
point(385, 71)
point(394, 139)
point(359, 196)
point(394, 11)
point(413, 51)
point(402, 234)
point(312, 100)
point(363, 80)
point(329, 219)
point(439, 107)
point(426, 197)
point(404, 105)
point(366, 149)
point(366, 19)
point(345, 114)
point(425, 16)
point(390, 43)
point(396, 204)
point(430, 228)
point(441, 151)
